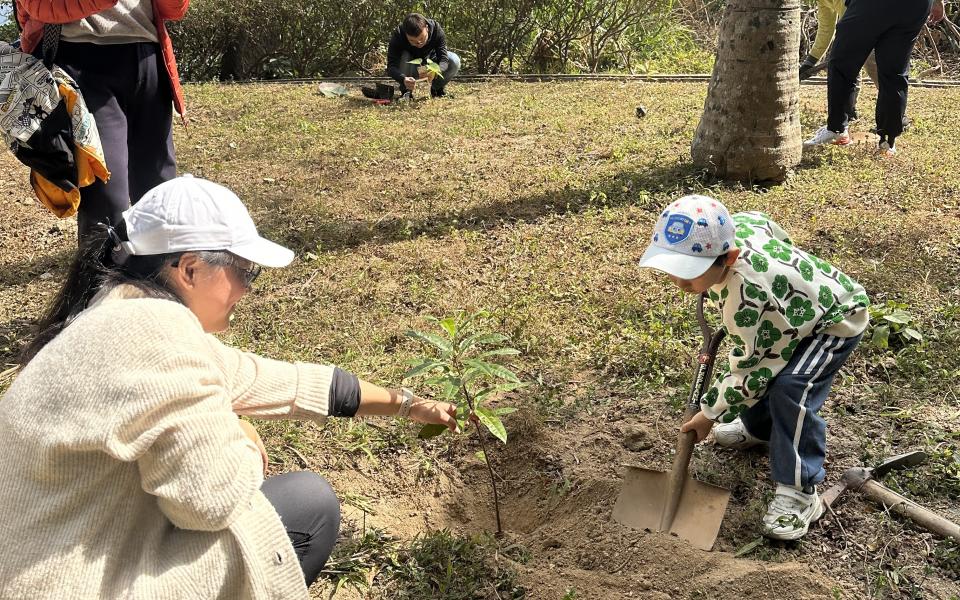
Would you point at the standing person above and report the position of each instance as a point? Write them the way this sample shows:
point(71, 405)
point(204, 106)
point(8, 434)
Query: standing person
point(420, 38)
point(793, 320)
point(126, 470)
point(120, 55)
point(828, 13)
point(889, 28)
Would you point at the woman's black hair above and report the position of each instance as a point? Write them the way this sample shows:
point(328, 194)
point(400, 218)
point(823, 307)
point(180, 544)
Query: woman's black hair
point(92, 269)
point(101, 263)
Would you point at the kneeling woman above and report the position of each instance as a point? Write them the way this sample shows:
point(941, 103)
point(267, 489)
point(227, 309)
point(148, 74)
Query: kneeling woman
point(125, 470)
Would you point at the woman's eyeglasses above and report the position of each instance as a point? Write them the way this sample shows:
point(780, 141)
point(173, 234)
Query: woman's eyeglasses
point(247, 271)
point(248, 274)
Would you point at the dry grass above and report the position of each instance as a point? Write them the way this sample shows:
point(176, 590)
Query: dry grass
point(533, 202)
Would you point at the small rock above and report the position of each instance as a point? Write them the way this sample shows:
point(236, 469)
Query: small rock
point(641, 111)
point(268, 180)
point(637, 439)
point(551, 543)
point(47, 275)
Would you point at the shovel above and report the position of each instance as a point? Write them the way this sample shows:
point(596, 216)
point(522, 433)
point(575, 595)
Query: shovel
point(671, 501)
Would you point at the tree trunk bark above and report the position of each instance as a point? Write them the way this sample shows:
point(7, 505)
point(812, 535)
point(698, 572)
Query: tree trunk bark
point(750, 129)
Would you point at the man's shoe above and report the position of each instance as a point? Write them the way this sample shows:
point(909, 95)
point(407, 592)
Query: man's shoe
point(886, 150)
point(735, 435)
point(441, 93)
point(791, 512)
point(406, 96)
point(825, 136)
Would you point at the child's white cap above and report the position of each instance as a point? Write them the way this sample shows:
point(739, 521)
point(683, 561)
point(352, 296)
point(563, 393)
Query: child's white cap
point(690, 234)
point(189, 213)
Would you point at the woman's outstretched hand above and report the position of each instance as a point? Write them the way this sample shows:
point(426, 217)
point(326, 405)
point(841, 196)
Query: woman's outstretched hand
point(436, 413)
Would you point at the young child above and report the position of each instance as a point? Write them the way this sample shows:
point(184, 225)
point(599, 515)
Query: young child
point(793, 320)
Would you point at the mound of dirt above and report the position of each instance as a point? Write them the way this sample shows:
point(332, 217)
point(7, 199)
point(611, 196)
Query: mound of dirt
point(558, 487)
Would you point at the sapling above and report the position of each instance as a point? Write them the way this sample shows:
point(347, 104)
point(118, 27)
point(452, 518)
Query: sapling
point(461, 369)
point(431, 67)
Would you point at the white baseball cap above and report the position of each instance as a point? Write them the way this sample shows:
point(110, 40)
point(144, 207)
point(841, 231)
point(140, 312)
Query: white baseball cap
point(689, 236)
point(191, 214)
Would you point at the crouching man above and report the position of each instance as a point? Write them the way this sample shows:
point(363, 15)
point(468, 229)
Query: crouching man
point(419, 39)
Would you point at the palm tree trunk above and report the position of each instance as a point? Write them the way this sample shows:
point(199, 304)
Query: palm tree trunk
point(750, 129)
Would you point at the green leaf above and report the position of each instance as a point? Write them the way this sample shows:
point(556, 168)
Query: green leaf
point(426, 365)
point(881, 336)
point(471, 374)
point(431, 431)
point(506, 410)
point(750, 547)
point(899, 317)
point(450, 326)
point(481, 456)
point(481, 339)
point(500, 352)
point(494, 370)
point(912, 334)
point(432, 339)
point(492, 422)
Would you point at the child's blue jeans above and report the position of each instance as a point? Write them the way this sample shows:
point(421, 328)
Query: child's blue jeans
point(788, 416)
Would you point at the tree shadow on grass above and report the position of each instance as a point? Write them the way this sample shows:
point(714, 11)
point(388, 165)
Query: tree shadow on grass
point(17, 273)
point(646, 189)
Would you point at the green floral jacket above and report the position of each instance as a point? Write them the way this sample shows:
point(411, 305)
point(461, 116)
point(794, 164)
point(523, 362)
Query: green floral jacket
point(775, 296)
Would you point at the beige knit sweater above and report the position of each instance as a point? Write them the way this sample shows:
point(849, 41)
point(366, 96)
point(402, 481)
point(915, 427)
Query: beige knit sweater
point(123, 471)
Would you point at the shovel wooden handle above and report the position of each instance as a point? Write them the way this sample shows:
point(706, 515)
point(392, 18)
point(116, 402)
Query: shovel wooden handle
point(923, 517)
point(686, 441)
point(678, 474)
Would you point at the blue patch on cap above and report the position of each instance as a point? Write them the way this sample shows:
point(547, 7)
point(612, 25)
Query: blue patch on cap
point(697, 248)
point(726, 246)
point(678, 228)
point(703, 223)
point(721, 220)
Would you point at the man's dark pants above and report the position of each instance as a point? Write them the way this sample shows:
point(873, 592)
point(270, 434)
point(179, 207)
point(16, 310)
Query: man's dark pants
point(890, 28)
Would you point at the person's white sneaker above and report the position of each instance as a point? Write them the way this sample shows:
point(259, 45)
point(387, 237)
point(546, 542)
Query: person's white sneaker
point(825, 136)
point(735, 435)
point(790, 513)
point(886, 150)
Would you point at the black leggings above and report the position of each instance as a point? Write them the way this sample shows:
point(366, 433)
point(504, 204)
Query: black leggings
point(310, 513)
point(127, 90)
point(889, 28)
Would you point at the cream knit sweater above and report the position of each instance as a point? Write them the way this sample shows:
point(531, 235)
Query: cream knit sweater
point(123, 471)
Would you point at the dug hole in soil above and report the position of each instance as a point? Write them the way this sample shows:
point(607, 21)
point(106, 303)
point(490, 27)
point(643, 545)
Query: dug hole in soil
point(557, 491)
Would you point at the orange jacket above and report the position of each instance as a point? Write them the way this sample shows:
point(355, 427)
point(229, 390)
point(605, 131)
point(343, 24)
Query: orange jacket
point(33, 14)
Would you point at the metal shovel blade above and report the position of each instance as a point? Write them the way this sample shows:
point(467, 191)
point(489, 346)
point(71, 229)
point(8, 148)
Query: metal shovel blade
point(645, 496)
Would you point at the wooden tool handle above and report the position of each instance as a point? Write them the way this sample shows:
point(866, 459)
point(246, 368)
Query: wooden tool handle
point(923, 517)
point(678, 475)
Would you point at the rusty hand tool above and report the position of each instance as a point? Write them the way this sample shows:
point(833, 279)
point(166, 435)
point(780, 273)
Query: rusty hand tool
point(865, 481)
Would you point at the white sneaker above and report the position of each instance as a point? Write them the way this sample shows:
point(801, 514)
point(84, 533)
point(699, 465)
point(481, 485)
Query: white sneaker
point(825, 136)
point(886, 150)
point(790, 513)
point(735, 435)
